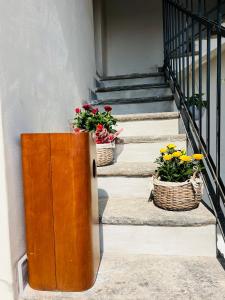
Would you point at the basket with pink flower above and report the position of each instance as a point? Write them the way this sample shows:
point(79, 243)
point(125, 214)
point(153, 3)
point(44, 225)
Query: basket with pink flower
point(177, 183)
point(102, 124)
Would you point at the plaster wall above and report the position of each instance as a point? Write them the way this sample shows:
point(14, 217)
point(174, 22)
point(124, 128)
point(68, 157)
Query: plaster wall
point(47, 66)
point(134, 32)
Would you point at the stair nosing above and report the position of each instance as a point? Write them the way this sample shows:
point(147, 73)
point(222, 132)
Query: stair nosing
point(131, 87)
point(150, 139)
point(132, 76)
point(118, 101)
point(127, 169)
point(147, 116)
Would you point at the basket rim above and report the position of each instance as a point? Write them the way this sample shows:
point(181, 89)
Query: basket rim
point(106, 145)
point(157, 181)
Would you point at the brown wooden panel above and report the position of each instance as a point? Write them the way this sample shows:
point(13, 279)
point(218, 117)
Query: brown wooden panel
point(39, 211)
point(76, 238)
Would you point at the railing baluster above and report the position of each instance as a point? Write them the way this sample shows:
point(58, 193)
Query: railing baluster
point(208, 86)
point(187, 47)
point(200, 65)
point(183, 53)
point(176, 41)
point(179, 48)
point(218, 100)
point(193, 58)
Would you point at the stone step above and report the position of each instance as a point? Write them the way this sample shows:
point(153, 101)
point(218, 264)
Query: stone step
point(142, 149)
point(125, 186)
point(138, 211)
point(124, 179)
point(138, 105)
point(131, 87)
point(132, 76)
point(136, 226)
point(134, 169)
point(145, 277)
point(149, 124)
point(147, 116)
point(133, 81)
point(154, 93)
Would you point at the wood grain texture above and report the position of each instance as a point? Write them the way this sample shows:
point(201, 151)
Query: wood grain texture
point(39, 211)
point(74, 211)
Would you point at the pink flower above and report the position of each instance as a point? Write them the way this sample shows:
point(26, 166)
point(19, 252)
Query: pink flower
point(94, 110)
point(99, 127)
point(77, 110)
point(86, 106)
point(107, 108)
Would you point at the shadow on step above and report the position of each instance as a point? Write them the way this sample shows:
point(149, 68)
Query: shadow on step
point(102, 202)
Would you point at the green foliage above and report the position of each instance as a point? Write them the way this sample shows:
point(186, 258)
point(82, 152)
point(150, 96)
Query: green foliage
point(197, 100)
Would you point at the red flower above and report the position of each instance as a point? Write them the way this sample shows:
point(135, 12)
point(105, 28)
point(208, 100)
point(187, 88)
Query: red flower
point(99, 127)
point(94, 110)
point(77, 110)
point(77, 130)
point(86, 106)
point(107, 108)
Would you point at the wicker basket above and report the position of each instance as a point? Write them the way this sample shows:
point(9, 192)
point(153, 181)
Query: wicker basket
point(104, 154)
point(178, 196)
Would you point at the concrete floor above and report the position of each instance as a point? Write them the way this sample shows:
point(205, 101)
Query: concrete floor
point(147, 277)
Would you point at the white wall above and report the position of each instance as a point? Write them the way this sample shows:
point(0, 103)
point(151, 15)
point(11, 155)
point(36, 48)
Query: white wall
point(47, 67)
point(100, 36)
point(134, 36)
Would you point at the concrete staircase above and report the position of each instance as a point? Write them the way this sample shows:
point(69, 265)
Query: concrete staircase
point(148, 253)
point(135, 89)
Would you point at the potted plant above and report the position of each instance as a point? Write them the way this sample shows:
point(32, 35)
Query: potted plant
point(199, 102)
point(102, 125)
point(177, 183)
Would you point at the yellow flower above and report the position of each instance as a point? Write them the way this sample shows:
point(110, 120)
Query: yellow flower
point(186, 158)
point(163, 150)
point(167, 157)
point(171, 146)
point(176, 154)
point(198, 156)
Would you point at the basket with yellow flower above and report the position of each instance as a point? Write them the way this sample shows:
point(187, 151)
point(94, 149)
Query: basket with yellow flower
point(177, 183)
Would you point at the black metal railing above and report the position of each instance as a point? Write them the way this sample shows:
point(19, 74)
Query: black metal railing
point(193, 64)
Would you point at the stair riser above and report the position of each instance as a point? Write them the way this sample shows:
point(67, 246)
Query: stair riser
point(141, 152)
point(153, 92)
point(124, 187)
point(158, 240)
point(147, 80)
point(149, 127)
point(147, 107)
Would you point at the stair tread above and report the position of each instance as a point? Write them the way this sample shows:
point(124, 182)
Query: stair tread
point(151, 139)
point(133, 100)
point(134, 169)
point(131, 76)
point(147, 116)
point(131, 87)
point(141, 212)
point(135, 276)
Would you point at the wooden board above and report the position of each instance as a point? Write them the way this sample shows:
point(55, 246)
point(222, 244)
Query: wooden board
point(39, 211)
point(74, 210)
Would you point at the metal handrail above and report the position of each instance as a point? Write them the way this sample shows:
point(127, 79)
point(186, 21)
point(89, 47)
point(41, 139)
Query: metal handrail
point(180, 25)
